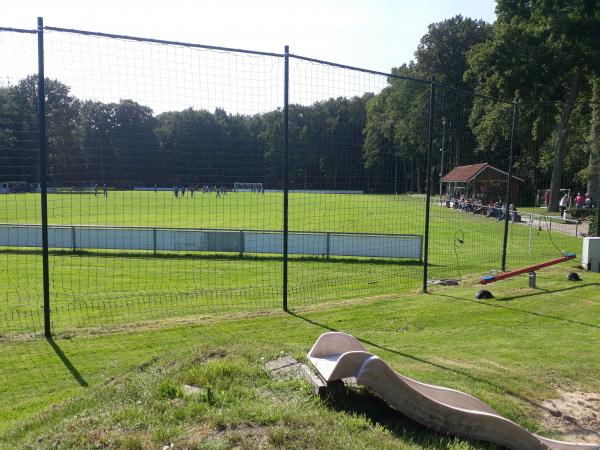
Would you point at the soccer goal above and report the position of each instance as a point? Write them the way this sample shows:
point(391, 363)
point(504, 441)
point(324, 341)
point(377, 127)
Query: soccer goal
point(75, 189)
point(12, 187)
point(248, 187)
point(543, 196)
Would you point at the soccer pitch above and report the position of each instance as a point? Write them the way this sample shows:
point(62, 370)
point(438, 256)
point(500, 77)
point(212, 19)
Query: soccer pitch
point(93, 288)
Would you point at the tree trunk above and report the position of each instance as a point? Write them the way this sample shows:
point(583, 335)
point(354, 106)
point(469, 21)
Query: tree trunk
point(559, 150)
point(594, 140)
point(413, 187)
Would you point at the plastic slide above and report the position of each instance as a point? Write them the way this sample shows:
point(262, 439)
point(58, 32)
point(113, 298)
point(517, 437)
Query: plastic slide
point(339, 355)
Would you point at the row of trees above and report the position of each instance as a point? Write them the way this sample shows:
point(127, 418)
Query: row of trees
point(124, 144)
point(535, 51)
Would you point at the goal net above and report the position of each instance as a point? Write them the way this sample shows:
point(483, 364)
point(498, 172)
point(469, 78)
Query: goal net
point(75, 189)
point(543, 196)
point(247, 187)
point(9, 187)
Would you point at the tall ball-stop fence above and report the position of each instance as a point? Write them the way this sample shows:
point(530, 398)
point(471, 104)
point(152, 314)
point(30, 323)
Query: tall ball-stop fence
point(144, 179)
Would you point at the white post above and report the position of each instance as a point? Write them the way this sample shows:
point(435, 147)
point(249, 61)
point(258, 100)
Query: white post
point(530, 230)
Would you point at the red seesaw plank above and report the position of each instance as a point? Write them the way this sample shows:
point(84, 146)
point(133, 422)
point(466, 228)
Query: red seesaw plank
point(487, 279)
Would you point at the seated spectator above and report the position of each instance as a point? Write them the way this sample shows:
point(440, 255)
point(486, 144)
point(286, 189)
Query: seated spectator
point(513, 214)
point(502, 212)
point(588, 201)
point(579, 201)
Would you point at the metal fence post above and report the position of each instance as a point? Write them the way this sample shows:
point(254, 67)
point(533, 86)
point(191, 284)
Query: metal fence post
point(154, 240)
point(598, 198)
point(428, 183)
point(41, 113)
point(509, 183)
point(530, 230)
point(242, 249)
point(286, 81)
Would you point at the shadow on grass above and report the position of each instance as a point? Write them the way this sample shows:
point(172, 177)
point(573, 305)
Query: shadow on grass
point(67, 362)
point(462, 373)
point(213, 256)
point(360, 402)
point(525, 311)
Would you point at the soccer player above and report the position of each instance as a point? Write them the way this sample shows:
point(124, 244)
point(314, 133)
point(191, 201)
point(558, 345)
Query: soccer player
point(105, 190)
point(96, 190)
point(176, 191)
point(183, 190)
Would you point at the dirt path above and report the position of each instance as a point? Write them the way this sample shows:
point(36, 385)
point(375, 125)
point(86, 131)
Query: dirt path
point(574, 229)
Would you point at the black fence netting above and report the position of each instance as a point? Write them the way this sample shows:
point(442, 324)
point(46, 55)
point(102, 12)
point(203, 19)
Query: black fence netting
point(471, 147)
point(553, 222)
point(356, 182)
point(169, 174)
point(20, 268)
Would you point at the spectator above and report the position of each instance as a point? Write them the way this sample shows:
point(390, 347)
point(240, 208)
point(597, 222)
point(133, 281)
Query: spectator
point(502, 211)
point(588, 201)
point(579, 201)
point(564, 202)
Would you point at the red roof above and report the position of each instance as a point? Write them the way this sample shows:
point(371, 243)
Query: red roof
point(465, 174)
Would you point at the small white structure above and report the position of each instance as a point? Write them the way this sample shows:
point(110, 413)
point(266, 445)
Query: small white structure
point(591, 254)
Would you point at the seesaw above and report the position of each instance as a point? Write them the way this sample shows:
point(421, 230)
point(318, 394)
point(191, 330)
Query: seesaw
point(487, 279)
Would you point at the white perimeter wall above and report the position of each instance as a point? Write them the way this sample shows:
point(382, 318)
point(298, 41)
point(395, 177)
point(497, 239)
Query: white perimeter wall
point(81, 237)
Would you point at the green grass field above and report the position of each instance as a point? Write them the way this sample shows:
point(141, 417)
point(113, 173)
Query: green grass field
point(123, 389)
point(111, 288)
point(133, 328)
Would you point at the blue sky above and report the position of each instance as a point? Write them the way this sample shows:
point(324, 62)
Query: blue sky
point(377, 34)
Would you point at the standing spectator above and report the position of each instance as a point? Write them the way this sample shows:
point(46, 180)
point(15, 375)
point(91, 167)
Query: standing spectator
point(588, 201)
point(579, 201)
point(564, 203)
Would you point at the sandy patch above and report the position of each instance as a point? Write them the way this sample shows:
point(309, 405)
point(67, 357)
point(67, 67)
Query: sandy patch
point(576, 415)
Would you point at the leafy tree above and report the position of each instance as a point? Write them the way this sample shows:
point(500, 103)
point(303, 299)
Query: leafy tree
point(443, 50)
point(540, 50)
point(593, 172)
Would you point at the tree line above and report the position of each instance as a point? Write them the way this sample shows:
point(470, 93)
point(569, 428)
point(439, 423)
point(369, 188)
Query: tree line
point(125, 144)
point(534, 51)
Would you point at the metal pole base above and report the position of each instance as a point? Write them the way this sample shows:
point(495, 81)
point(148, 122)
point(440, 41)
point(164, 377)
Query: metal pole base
point(532, 279)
